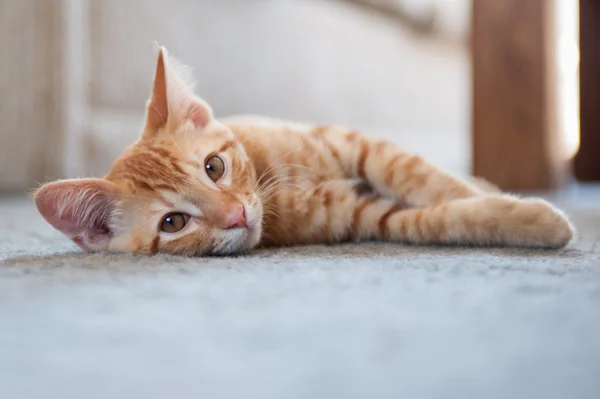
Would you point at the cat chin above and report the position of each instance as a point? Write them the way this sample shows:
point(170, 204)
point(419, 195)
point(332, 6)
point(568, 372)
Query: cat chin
point(238, 241)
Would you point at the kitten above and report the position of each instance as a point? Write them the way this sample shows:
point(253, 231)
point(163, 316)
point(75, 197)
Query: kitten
point(195, 185)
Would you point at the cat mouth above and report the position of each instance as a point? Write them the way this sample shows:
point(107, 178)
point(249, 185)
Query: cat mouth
point(240, 239)
point(252, 223)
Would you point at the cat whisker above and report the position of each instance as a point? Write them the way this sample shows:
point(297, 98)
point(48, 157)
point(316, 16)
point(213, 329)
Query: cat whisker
point(285, 167)
point(276, 184)
point(274, 163)
point(283, 183)
point(267, 195)
point(274, 180)
point(288, 176)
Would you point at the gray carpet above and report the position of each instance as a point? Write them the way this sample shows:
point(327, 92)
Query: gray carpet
point(350, 321)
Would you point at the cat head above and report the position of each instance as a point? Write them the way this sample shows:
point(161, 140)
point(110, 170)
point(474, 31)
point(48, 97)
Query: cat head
point(186, 186)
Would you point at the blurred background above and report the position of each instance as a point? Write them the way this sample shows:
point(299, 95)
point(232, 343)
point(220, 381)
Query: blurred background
point(75, 74)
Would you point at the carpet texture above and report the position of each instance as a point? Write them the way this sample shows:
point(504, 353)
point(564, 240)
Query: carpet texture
point(350, 321)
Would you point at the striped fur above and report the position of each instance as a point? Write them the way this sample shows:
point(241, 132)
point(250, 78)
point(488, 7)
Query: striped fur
point(368, 189)
point(298, 184)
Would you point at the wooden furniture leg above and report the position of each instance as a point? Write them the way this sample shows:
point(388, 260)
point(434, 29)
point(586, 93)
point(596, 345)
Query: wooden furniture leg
point(515, 137)
point(587, 161)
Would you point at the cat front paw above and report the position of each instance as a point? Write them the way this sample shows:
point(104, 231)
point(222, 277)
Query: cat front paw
point(543, 224)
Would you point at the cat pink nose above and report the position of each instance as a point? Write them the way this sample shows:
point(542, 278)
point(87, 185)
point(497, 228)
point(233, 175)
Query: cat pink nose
point(236, 218)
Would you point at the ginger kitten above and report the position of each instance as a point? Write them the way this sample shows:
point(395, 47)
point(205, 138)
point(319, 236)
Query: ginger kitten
point(194, 185)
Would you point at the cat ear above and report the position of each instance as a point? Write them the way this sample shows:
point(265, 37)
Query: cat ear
point(80, 209)
point(158, 109)
point(173, 100)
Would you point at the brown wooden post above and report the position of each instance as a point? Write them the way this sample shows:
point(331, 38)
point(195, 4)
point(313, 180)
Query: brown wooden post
point(515, 137)
point(587, 160)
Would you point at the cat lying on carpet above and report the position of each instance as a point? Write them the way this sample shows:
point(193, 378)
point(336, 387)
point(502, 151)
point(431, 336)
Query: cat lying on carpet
point(194, 185)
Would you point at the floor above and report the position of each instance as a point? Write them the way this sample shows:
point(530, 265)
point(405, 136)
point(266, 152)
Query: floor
point(350, 321)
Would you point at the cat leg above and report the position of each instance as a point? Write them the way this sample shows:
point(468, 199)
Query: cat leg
point(342, 210)
point(476, 221)
point(392, 171)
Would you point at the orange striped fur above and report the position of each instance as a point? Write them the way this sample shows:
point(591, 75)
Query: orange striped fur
point(297, 184)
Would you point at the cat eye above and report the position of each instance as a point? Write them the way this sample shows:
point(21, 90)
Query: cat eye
point(215, 167)
point(173, 222)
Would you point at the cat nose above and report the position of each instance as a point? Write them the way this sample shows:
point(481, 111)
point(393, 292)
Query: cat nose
point(236, 218)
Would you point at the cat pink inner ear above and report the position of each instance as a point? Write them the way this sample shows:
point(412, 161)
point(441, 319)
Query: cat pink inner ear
point(80, 209)
point(199, 114)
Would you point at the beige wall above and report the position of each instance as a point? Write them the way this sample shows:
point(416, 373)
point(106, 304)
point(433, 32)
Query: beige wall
point(30, 86)
point(86, 70)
